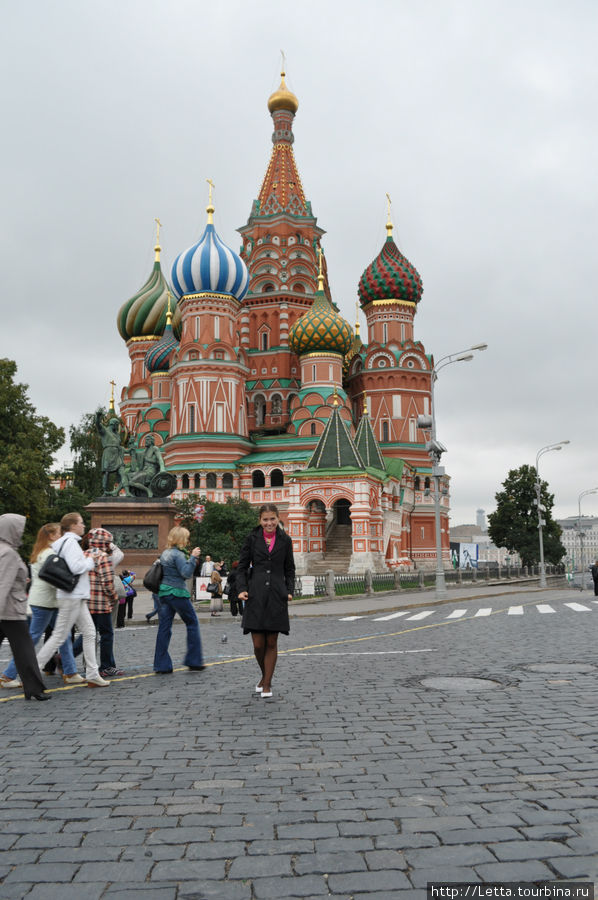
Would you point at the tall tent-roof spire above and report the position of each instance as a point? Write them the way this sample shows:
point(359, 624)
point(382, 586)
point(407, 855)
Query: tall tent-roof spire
point(366, 443)
point(281, 189)
point(336, 448)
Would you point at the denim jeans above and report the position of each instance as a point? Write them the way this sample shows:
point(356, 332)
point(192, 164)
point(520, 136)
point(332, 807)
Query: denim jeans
point(41, 617)
point(169, 606)
point(72, 611)
point(105, 630)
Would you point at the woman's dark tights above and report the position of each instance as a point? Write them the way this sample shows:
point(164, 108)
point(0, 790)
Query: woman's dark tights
point(265, 647)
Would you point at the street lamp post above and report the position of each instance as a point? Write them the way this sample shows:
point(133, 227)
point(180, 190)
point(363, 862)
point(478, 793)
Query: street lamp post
point(436, 449)
point(581, 535)
point(558, 446)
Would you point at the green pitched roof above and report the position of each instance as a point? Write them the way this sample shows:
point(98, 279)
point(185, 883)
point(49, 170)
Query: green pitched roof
point(367, 445)
point(335, 448)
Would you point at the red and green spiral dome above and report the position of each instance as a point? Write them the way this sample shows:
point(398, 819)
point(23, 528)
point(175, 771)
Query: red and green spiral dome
point(390, 277)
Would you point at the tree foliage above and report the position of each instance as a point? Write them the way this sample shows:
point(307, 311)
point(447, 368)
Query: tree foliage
point(224, 527)
point(86, 447)
point(514, 524)
point(28, 443)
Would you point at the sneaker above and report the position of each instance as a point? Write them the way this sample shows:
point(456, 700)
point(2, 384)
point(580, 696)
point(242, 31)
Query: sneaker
point(111, 672)
point(4, 681)
point(15, 683)
point(98, 681)
point(75, 678)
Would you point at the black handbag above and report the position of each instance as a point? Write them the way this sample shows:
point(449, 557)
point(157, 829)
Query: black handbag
point(55, 571)
point(153, 577)
point(212, 587)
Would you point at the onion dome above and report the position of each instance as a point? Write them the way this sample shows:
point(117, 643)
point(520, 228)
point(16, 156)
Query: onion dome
point(209, 266)
point(283, 98)
point(321, 329)
point(390, 276)
point(144, 314)
point(159, 356)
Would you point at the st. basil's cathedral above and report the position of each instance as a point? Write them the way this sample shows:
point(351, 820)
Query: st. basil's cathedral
point(254, 386)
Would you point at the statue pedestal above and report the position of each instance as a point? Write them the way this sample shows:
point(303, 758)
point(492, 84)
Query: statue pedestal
point(139, 525)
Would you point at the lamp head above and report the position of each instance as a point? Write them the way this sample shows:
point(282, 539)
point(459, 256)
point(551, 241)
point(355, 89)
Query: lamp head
point(479, 347)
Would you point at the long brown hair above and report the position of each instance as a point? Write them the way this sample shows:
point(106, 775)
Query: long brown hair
point(44, 539)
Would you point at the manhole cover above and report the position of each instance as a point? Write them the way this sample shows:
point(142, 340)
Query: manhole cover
point(456, 683)
point(561, 668)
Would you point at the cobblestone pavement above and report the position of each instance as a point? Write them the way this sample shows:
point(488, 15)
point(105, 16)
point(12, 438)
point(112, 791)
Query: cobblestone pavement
point(358, 779)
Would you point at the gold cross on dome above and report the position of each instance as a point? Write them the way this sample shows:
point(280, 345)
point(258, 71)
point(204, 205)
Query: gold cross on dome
point(210, 189)
point(158, 227)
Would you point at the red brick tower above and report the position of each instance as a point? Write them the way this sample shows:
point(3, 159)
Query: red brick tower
point(280, 244)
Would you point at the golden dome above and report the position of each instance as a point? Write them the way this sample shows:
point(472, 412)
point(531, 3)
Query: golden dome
point(283, 98)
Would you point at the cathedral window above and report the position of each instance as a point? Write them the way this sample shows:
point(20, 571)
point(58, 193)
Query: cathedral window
point(257, 479)
point(216, 327)
point(268, 288)
point(381, 363)
point(276, 478)
point(416, 483)
point(191, 417)
point(197, 327)
point(227, 481)
point(312, 428)
point(211, 480)
point(264, 340)
point(219, 410)
point(276, 405)
point(185, 483)
point(385, 432)
point(384, 333)
point(427, 484)
point(259, 405)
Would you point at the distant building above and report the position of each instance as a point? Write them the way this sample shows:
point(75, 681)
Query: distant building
point(487, 551)
point(480, 518)
point(571, 541)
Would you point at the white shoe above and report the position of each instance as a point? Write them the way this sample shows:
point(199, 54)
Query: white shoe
point(266, 694)
point(15, 683)
point(98, 681)
point(75, 678)
point(258, 689)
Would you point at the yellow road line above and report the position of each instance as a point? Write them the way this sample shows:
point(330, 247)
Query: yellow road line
point(235, 659)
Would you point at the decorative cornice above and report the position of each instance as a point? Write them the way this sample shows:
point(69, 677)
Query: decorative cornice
point(150, 337)
point(390, 301)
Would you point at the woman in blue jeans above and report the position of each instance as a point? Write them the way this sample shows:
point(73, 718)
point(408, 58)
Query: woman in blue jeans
point(175, 598)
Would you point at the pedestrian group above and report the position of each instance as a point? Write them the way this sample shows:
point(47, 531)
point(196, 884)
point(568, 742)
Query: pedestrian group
point(260, 587)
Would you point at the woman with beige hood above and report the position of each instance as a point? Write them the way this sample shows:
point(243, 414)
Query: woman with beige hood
point(13, 606)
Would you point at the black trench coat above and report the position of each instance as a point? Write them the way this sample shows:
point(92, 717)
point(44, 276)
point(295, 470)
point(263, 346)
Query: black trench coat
point(268, 578)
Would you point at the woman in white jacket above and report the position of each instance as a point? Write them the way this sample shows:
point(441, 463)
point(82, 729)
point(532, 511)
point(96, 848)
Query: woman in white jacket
point(72, 607)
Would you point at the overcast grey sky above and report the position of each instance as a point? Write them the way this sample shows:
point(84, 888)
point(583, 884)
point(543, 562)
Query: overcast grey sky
point(478, 117)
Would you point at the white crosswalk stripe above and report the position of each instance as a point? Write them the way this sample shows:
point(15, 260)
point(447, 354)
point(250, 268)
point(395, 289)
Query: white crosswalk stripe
point(395, 615)
point(542, 608)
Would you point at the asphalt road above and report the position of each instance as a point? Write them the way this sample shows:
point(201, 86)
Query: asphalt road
point(457, 746)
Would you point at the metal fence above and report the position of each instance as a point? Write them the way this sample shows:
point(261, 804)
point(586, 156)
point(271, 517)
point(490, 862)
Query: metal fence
point(368, 582)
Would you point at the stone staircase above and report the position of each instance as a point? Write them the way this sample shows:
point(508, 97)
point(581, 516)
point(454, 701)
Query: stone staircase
point(338, 552)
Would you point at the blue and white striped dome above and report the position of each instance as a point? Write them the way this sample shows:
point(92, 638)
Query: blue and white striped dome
point(210, 266)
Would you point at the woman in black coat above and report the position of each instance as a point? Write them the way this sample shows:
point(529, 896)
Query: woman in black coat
point(265, 582)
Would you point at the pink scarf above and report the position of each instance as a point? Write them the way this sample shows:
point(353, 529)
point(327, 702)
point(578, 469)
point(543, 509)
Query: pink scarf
point(269, 540)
